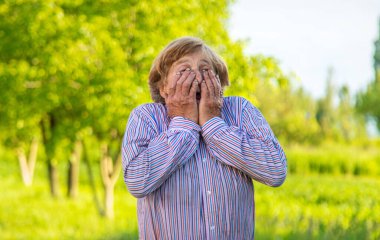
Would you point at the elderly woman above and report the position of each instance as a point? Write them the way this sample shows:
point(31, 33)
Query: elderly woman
point(190, 157)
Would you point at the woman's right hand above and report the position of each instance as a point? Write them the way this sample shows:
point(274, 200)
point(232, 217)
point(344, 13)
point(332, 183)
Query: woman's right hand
point(181, 95)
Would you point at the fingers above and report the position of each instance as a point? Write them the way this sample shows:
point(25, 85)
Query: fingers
point(188, 83)
point(194, 89)
point(181, 80)
point(176, 84)
point(209, 83)
point(204, 91)
point(172, 86)
point(217, 84)
point(213, 84)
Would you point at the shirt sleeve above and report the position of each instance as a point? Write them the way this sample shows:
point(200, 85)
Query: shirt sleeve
point(149, 158)
point(252, 148)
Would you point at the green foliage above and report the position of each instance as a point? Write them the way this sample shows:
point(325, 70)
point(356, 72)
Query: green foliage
point(326, 114)
point(77, 68)
point(289, 110)
point(337, 117)
point(334, 159)
point(368, 100)
point(351, 124)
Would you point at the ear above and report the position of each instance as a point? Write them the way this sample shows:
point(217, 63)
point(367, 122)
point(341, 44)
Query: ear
point(163, 92)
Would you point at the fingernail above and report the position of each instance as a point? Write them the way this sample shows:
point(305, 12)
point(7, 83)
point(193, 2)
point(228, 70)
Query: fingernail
point(178, 73)
point(188, 69)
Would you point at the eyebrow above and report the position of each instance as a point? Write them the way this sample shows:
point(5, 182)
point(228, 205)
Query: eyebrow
point(187, 59)
point(205, 61)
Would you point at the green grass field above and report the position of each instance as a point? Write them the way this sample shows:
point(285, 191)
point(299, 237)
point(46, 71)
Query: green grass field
point(319, 207)
point(307, 206)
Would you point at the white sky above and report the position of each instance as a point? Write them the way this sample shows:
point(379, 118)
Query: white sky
point(308, 37)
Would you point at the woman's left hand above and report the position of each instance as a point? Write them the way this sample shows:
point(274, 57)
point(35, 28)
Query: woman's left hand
point(211, 97)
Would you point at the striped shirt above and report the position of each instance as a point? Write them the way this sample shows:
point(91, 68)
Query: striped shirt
point(195, 182)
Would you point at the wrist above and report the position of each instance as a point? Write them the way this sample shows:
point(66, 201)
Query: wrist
point(213, 126)
point(205, 119)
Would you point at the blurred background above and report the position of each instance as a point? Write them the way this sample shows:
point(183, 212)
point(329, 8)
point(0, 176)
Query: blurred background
point(71, 72)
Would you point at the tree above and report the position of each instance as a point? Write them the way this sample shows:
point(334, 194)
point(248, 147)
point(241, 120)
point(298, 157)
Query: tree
point(20, 110)
point(326, 114)
point(351, 124)
point(287, 107)
point(368, 101)
point(61, 56)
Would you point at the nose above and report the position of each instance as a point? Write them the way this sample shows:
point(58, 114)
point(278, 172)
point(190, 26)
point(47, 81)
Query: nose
point(198, 75)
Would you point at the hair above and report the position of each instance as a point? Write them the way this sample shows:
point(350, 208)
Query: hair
point(172, 53)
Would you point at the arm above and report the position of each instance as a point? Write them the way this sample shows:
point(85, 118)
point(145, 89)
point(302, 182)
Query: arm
point(253, 149)
point(149, 158)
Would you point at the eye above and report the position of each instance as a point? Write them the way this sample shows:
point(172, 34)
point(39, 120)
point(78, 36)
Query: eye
point(182, 69)
point(205, 67)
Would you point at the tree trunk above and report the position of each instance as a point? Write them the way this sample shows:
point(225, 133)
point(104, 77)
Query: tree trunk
point(92, 180)
point(73, 173)
point(23, 166)
point(110, 171)
point(27, 164)
point(108, 200)
point(47, 124)
point(53, 178)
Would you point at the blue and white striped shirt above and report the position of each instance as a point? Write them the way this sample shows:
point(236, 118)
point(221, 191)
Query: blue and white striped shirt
point(195, 182)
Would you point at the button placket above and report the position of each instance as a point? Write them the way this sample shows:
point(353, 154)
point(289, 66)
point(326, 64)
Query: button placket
point(207, 192)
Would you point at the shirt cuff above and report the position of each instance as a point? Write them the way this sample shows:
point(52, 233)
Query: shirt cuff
point(212, 126)
point(181, 123)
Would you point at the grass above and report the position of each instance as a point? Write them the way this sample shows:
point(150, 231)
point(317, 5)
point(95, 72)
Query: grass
point(334, 160)
point(319, 207)
point(30, 212)
point(307, 206)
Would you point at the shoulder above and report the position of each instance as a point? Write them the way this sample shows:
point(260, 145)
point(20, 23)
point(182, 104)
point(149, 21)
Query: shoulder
point(239, 106)
point(153, 114)
point(233, 110)
point(149, 109)
point(236, 102)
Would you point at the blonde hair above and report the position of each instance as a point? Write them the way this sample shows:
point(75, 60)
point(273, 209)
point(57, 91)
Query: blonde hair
point(172, 53)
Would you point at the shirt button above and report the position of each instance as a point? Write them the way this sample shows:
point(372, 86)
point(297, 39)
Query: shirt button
point(204, 159)
point(208, 192)
point(212, 227)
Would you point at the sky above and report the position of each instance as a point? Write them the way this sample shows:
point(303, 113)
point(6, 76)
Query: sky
point(309, 37)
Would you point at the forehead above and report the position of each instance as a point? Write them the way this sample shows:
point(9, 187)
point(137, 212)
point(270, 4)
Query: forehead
point(197, 56)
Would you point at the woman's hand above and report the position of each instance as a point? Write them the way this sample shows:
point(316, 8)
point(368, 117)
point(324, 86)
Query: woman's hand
point(211, 97)
point(181, 98)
